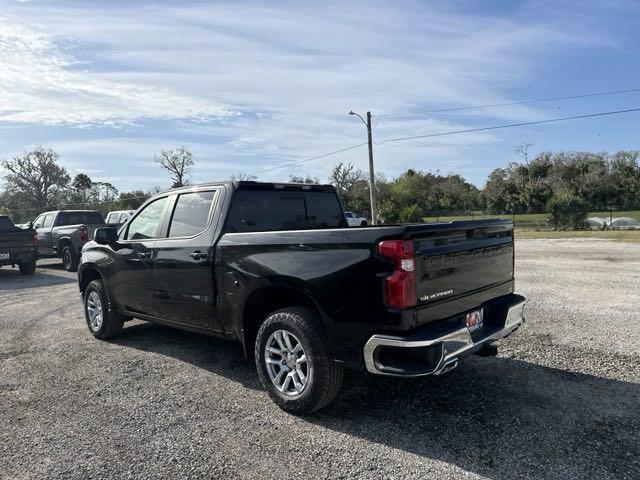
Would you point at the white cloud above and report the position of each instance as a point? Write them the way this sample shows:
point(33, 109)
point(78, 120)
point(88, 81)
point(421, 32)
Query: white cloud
point(41, 84)
point(277, 79)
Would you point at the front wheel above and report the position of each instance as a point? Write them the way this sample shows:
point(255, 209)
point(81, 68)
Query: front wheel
point(294, 362)
point(102, 322)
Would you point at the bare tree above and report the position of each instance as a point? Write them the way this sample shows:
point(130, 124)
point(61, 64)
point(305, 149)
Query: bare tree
point(35, 179)
point(178, 163)
point(240, 176)
point(303, 179)
point(344, 177)
point(523, 151)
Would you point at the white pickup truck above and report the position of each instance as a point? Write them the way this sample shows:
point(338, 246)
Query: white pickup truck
point(355, 220)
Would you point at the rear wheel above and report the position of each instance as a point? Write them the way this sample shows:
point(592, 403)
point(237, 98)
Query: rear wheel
point(70, 258)
point(294, 362)
point(363, 223)
point(102, 322)
point(27, 268)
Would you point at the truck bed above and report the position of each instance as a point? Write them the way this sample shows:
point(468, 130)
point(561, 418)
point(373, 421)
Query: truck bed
point(16, 244)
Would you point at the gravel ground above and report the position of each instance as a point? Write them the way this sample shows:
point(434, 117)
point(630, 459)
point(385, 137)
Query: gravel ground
point(560, 401)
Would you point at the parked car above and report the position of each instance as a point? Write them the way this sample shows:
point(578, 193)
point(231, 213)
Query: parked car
point(624, 223)
point(17, 247)
point(63, 233)
point(275, 267)
point(119, 217)
point(355, 220)
point(596, 223)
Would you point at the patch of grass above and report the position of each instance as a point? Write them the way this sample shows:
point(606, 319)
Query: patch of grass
point(632, 236)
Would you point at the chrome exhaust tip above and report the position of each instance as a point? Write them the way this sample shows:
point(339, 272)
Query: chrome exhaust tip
point(447, 367)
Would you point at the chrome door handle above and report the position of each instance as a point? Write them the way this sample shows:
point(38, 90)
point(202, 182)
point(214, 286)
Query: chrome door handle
point(198, 255)
point(144, 255)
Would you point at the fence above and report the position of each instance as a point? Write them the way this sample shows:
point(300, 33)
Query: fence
point(614, 219)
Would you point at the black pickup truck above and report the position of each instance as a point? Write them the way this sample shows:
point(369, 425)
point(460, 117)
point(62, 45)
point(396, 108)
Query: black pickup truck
point(18, 246)
point(275, 267)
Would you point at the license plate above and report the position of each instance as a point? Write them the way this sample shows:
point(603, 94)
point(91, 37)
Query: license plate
point(474, 320)
point(4, 256)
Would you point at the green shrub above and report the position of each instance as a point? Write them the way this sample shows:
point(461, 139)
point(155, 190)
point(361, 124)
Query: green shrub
point(410, 214)
point(567, 212)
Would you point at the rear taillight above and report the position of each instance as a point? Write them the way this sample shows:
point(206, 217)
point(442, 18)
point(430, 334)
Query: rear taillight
point(400, 286)
point(34, 239)
point(84, 233)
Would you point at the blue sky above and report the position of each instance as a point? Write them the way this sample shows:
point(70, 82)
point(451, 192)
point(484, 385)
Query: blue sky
point(250, 86)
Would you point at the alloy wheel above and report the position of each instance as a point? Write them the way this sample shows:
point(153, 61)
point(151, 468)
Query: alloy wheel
point(94, 311)
point(287, 363)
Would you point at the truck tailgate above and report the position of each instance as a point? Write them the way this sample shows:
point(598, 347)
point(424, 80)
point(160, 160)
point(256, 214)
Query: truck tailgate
point(16, 240)
point(456, 262)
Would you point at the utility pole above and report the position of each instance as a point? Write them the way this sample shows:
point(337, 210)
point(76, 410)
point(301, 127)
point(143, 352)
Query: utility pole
point(372, 176)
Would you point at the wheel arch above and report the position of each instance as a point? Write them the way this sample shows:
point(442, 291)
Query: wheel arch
point(63, 242)
point(89, 272)
point(265, 300)
point(86, 275)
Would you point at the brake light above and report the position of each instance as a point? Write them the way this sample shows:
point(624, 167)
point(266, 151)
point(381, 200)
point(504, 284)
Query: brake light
point(400, 286)
point(34, 239)
point(84, 233)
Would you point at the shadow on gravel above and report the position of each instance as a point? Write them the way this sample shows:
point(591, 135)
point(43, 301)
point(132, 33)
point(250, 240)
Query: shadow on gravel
point(496, 417)
point(500, 418)
point(11, 279)
point(215, 355)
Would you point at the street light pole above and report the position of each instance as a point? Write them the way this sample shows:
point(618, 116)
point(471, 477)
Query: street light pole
point(372, 176)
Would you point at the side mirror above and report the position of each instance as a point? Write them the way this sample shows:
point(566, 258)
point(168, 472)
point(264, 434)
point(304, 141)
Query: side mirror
point(106, 236)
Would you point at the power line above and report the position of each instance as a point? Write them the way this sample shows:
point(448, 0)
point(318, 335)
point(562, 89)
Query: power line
point(288, 164)
point(509, 125)
point(507, 104)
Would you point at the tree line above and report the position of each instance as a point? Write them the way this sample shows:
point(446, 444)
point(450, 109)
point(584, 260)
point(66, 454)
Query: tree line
point(550, 182)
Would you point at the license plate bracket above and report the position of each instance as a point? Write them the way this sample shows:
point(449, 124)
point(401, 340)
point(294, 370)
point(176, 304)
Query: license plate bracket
point(474, 320)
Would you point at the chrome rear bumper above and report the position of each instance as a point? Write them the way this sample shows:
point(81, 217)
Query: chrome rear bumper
point(450, 347)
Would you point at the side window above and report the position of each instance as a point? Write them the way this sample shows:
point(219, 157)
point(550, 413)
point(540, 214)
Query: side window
point(146, 224)
point(48, 220)
point(191, 214)
point(37, 223)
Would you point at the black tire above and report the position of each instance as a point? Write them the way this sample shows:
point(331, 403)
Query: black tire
point(363, 223)
point(111, 324)
point(70, 259)
point(324, 376)
point(27, 268)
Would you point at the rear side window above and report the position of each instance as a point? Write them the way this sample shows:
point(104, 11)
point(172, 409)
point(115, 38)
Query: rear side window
point(75, 218)
point(263, 211)
point(191, 214)
point(147, 223)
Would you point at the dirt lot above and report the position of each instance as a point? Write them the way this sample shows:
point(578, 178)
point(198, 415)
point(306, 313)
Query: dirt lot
point(561, 400)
